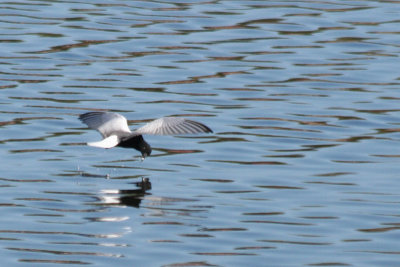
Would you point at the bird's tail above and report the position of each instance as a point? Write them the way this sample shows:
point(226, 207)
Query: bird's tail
point(108, 142)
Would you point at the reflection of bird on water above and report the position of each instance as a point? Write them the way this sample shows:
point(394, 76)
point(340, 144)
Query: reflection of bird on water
point(127, 197)
point(133, 197)
point(115, 131)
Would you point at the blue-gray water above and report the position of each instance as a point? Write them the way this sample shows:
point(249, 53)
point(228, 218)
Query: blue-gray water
point(302, 168)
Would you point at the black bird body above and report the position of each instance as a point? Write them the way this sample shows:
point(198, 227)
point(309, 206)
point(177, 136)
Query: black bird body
point(115, 131)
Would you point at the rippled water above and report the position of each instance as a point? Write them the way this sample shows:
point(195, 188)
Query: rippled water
point(302, 168)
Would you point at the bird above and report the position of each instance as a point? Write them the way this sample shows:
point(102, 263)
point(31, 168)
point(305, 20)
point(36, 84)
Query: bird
point(115, 131)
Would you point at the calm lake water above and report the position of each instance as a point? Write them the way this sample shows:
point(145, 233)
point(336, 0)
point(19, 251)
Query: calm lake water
point(302, 168)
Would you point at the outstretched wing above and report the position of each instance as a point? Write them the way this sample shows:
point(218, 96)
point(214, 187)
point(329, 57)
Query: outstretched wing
point(107, 123)
point(173, 126)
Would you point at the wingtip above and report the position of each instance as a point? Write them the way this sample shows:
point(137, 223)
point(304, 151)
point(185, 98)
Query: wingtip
point(89, 113)
point(203, 128)
point(82, 116)
point(208, 129)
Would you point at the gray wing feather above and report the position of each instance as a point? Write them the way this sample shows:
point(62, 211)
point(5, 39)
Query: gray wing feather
point(107, 123)
point(173, 126)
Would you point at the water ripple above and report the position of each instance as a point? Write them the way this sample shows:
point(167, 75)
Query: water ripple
point(302, 98)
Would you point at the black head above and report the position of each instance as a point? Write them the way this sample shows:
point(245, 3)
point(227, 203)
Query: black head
point(145, 149)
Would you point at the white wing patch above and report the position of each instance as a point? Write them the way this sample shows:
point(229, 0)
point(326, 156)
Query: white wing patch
point(160, 126)
point(108, 142)
point(173, 126)
point(107, 123)
point(116, 124)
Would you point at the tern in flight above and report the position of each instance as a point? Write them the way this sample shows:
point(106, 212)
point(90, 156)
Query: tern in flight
point(115, 131)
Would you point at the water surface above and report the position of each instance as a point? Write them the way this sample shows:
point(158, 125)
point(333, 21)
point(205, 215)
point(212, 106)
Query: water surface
point(301, 169)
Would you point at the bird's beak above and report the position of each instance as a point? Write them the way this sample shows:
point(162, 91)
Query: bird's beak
point(144, 155)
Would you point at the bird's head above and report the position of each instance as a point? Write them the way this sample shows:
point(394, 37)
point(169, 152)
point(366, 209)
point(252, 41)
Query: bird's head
point(145, 150)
